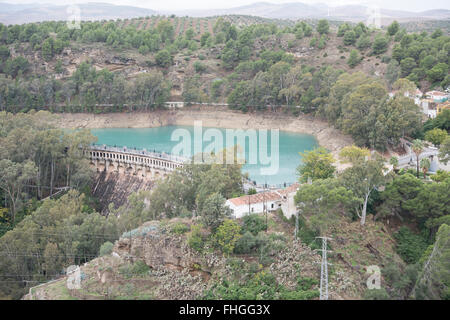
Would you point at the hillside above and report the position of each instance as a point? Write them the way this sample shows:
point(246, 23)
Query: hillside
point(299, 10)
point(18, 13)
point(131, 62)
point(159, 263)
point(296, 69)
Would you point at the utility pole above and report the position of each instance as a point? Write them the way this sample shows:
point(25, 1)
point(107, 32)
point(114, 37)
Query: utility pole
point(265, 204)
point(324, 269)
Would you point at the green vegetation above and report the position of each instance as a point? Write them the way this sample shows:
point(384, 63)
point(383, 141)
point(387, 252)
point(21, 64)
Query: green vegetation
point(228, 233)
point(360, 107)
point(434, 280)
point(106, 248)
point(37, 160)
point(136, 269)
point(436, 136)
point(263, 285)
point(407, 199)
point(253, 223)
point(316, 164)
point(59, 233)
point(252, 74)
point(410, 246)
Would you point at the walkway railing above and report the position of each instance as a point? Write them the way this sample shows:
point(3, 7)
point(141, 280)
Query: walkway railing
point(411, 159)
point(140, 152)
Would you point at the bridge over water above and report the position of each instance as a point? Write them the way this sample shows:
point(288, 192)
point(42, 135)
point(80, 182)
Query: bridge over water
point(138, 162)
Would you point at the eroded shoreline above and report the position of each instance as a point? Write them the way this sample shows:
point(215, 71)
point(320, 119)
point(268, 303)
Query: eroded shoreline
point(326, 135)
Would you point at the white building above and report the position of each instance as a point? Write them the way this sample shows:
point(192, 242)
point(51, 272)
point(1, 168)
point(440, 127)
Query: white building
point(416, 96)
point(429, 108)
point(437, 96)
point(174, 104)
point(287, 200)
point(272, 200)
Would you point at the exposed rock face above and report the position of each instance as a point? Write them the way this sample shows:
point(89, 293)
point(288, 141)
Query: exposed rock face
point(178, 272)
point(112, 187)
point(161, 250)
point(291, 258)
point(182, 272)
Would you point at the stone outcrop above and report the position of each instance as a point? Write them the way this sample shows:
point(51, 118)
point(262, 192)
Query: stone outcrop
point(161, 250)
point(112, 187)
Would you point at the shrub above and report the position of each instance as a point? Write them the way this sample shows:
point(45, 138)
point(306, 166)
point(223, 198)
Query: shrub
point(306, 234)
point(440, 176)
point(199, 67)
point(180, 228)
point(299, 295)
point(246, 244)
point(376, 294)
point(409, 245)
point(106, 248)
point(253, 223)
point(163, 58)
point(306, 283)
point(385, 59)
point(195, 238)
point(269, 246)
point(139, 268)
point(228, 233)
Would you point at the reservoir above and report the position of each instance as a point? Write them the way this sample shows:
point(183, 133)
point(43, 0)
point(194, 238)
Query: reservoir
point(159, 139)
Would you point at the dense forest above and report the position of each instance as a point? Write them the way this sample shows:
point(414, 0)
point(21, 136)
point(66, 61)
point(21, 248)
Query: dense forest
point(254, 71)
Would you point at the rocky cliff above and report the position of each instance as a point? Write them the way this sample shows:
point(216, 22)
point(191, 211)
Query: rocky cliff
point(112, 187)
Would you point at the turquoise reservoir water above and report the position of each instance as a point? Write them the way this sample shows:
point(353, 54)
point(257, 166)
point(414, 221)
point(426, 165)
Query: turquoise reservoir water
point(159, 139)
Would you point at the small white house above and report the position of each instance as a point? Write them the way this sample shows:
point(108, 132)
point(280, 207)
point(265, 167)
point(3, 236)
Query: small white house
point(257, 203)
point(416, 96)
point(437, 95)
point(287, 200)
point(429, 108)
point(174, 104)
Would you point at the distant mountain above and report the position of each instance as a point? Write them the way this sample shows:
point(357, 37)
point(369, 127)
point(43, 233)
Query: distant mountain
point(23, 13)
point(18, 14)
point(12, 7)
point(299, 10)
point(263, 9)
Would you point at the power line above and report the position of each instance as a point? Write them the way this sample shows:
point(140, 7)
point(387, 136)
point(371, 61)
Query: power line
point(324, 269)
point(40, 255)
point(94, 235)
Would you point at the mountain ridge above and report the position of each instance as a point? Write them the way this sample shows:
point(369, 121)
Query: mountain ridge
point(33, 12)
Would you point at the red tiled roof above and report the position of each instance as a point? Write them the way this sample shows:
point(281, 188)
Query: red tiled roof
point(436, 93)
point(264, 196)
point(292, 188)
point(255, 198)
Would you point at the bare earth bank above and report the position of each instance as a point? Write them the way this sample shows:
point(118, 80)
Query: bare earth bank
point(326, 135)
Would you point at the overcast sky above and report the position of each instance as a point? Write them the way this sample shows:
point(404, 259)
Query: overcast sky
point(176, 5)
